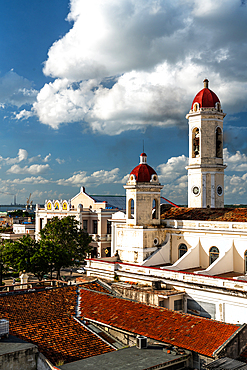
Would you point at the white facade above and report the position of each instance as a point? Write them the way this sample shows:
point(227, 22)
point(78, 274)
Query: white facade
point(205, 259)
point(206, 168)
point(92, 216)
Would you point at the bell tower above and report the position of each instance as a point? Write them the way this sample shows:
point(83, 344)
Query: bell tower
point(206, 168)
point(143, 195)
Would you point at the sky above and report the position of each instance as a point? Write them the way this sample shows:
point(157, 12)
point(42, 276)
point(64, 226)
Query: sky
point(84, 85)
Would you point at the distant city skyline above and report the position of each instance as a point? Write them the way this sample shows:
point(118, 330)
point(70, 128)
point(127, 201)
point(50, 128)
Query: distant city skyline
point(82, 84)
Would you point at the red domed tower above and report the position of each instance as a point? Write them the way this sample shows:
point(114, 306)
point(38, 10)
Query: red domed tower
point(143, 195)
point(206, 168)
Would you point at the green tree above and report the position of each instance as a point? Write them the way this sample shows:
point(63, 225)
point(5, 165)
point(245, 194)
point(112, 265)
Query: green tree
point(63, 243)
point(3, 267)
point(25, 254)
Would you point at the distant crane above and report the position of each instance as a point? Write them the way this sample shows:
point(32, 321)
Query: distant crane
point(29, 202)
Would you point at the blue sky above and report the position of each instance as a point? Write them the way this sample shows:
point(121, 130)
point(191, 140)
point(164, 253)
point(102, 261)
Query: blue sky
point(82, 84)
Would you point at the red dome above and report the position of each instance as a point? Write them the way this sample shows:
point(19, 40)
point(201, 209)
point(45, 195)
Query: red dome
point(143, 172)
point(206, 98)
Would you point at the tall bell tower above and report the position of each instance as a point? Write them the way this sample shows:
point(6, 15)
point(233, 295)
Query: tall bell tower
point(206, 168)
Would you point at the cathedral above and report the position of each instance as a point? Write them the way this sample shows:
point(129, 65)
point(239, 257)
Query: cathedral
point(200, 250)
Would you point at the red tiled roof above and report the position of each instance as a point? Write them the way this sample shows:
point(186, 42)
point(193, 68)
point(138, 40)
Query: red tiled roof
point(206, 99)
point(95, 285)
point(143, 172)
point(46, 319)
point(207, 214)
point(189, 332)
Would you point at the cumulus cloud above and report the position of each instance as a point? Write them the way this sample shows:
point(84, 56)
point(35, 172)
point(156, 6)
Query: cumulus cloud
point(21, 156)
point(29, 180)
point(128, 64)
point(173, 176)
point(16, 90)
point(95, 179)
point(235, 162)
point(34, 169)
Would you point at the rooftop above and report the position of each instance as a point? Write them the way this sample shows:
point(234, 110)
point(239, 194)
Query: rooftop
point(189, 332)
point(46, 319)
point(206, 214)
point(125, 359)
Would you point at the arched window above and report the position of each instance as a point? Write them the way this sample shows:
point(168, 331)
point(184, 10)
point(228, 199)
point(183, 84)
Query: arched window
point(130, 207)
point(245, 262)
point(182, 249)
point(195, 142)
point(155, 209)
point(219, 143)
point(213, 254)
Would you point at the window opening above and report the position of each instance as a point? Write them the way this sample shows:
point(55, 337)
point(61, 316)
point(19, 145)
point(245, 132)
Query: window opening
point(85, 225)
point(213, 254)
point(155, 209)
point(178, 305)
point(245, 262)
point(130, 207)
point(95, 227)
point(108, 227)
point(182, 249)
point(196, 142)
point(219, 146)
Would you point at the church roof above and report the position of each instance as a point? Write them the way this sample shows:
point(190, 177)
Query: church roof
point(143, 172)
point(206, 98)
point(206, 214)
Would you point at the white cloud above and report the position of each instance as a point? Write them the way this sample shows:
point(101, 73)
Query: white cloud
point(95, 179)
point(128, 64)
point(236, 162)
point(173, 176)
point(34, 169)
point(47, 157)
point(16, 90)
point(60, 161)
point(29, 180)
point(21, 156)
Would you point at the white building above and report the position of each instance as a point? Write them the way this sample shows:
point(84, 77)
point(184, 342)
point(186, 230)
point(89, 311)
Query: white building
point(201, 250)
point(92, 216)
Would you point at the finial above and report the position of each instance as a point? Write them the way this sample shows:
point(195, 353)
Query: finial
point(206, 83)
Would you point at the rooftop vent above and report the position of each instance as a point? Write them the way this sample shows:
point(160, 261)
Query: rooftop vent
point(141, 342)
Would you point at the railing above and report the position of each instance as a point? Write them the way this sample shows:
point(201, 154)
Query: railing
point(32, 286)
point(127, 271)
point(206, 225)
point(101, 238)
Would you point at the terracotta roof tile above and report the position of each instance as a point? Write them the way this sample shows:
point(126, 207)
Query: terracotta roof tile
point(206, 214)
point(206, 99)
point(46, 319)
point(95, 285)
point(190, 332)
